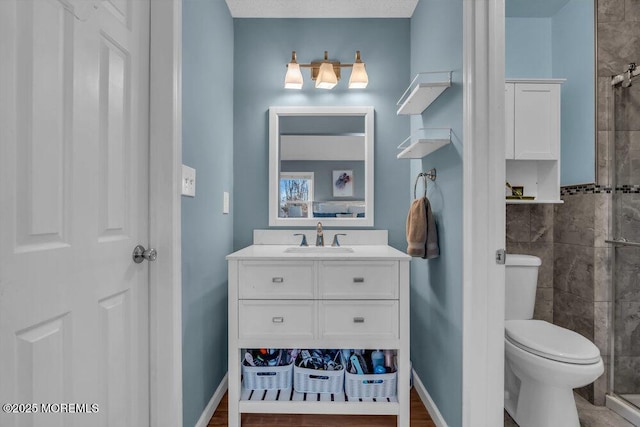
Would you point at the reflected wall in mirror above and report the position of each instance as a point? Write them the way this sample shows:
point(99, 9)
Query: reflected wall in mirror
point(556, 39)
point(321, 166)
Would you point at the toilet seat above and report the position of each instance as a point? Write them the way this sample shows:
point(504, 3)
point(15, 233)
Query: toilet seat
point(551, 341)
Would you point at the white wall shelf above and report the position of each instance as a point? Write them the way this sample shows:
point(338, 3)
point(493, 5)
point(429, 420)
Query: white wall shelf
point(424, 142)
point(423, 90)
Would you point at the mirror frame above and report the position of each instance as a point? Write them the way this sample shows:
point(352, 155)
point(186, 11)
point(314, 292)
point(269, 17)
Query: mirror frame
point(274, 165)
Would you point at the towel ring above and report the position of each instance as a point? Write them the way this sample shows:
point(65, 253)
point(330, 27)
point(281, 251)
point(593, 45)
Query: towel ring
point(431, 175)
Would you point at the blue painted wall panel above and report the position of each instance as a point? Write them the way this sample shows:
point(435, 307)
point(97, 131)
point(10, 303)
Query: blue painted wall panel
point(436, 285)
point(574, 59)
point(207, 137)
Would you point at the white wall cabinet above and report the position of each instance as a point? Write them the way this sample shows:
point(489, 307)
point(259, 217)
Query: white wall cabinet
point(322, 301)
point(532, 134)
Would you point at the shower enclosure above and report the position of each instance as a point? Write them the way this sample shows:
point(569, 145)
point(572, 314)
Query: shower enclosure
point(624, 115)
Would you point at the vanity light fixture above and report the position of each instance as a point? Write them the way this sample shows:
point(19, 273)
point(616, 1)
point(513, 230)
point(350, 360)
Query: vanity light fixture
point(326, 73)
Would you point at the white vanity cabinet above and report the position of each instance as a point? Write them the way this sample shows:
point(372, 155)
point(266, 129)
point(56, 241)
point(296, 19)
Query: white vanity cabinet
point(532, 138)
point(323, 300)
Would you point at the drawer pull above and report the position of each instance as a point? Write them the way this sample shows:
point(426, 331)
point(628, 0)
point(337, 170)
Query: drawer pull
point(279, 319)
point(358, 280)
point(277, 279)
point(358, 320)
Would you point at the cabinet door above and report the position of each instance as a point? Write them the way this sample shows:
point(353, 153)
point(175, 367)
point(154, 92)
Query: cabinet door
point(509, 118)
point(537, 121)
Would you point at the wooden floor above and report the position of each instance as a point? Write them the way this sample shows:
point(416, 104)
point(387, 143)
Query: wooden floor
point(419, 418)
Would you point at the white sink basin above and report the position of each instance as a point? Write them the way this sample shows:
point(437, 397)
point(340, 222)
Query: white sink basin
point(319, 249)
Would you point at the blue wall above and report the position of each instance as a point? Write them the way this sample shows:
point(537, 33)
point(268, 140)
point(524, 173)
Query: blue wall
point(528, 48)
point(262, 49)
point(207, 138)
point(574, 59)
point(436, 285)
point(562, 46)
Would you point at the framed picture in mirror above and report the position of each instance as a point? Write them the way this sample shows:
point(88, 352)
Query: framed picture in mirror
point(342, 183)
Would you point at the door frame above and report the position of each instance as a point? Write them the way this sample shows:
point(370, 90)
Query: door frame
point(165, 169)
point(483, 213)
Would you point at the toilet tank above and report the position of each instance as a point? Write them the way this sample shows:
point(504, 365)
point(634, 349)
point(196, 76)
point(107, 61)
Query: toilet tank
point(521, 282)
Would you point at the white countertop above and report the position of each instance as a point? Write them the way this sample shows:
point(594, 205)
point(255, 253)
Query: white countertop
point(360, 252)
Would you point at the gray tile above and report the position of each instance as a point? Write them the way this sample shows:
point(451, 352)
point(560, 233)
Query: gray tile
point(602, 217)
point(610, 10)
point(627, 274)
point(518, 223)
point(573, 312)
point(573, 270)
point(605, 103)
point(544, 305)
point(627, 333)
point(605, 143)
point(601, 384)
point(598, 416)
point(629, 216)
point(585, 392)
point(542, 223)
point(632, 10)
point(627, 104)
point(602, 274)
point(601, 315)
point(622, 159)
point(627, 374)
point(617, 43)
point(574, 220)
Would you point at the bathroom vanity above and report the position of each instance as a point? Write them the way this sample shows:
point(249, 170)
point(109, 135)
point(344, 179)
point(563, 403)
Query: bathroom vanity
point(282, 295)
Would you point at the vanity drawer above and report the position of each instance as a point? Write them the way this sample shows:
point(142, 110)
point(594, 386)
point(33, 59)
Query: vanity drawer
point(361, 319)
point(276, 319)
point(276, 280)
point(358, 280)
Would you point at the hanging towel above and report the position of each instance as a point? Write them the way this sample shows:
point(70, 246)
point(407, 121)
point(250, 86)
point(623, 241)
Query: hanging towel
point(432, 250)
point(422, 236)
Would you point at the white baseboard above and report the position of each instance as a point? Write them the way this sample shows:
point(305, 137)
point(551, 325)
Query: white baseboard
point(436, 416)
point(214, 402)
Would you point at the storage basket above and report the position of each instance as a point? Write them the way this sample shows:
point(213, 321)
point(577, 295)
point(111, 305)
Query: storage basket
point(370, 385)
point(317, 381)
point(267, 377)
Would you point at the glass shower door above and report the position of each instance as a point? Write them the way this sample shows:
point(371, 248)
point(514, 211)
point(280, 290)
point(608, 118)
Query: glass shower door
point(626, 253)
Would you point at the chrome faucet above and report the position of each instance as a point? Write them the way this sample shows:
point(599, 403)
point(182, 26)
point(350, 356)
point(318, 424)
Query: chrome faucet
point(319, 235)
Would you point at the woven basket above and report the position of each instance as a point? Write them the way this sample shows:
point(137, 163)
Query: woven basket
point(370, 385)
point(267, 377)
point(316, 381)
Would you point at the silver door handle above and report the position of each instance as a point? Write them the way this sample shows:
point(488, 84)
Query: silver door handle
point(140, 254)
point(358, 320)
point(279, 319)
point(277, 279)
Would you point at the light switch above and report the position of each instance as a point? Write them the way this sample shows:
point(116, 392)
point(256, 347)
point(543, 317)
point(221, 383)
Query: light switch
point(225, 202)
point(188, 181)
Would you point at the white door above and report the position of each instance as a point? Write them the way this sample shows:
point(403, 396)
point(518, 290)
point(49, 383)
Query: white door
point(73, 204)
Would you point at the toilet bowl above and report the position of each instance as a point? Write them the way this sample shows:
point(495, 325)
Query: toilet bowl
point(543, 362)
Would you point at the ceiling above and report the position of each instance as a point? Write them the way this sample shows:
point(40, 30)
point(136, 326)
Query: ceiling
point(321, 8)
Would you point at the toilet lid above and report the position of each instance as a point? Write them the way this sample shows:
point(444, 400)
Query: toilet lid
point(551, 341)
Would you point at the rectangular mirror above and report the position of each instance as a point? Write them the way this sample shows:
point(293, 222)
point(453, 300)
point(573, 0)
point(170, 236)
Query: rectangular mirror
point(321, 166)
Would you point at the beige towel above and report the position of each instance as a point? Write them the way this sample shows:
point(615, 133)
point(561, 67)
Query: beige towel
point(422, 236)
point(417, 228)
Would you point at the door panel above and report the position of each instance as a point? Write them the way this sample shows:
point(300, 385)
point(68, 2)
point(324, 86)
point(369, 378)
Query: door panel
point(73, 204)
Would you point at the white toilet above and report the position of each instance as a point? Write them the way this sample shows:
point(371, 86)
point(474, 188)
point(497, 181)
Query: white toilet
point(543, 362)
